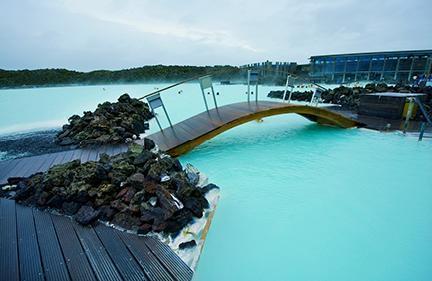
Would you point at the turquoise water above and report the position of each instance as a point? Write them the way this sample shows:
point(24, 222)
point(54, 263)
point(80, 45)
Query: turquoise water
point(42, 108)
point(306, 202)
point(299, 201)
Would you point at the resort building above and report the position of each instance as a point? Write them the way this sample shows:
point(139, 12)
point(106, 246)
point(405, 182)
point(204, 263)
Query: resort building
point(269, 68)
point(389, 67)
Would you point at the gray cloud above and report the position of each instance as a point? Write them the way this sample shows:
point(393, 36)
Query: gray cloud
point(110, 34)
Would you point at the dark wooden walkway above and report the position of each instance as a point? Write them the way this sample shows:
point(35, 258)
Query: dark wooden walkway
point(36, 245)
point(191, 132)
point(27, 166)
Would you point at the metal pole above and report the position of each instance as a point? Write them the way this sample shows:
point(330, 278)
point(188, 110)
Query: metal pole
point(248, 85)
point(408, 115)
point(256, 92)
point(157, 120)
point(422, 130)
point(166, 114)
point(290, 95)
point(214, 97)
point(286, 88)
point(313, 96)
point(423, 110)
point(205, 100)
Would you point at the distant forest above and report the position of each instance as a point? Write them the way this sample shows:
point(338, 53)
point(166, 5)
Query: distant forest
point(156, 73)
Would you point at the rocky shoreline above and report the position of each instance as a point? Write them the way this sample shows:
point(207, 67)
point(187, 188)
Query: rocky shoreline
point(110, 123)
point(29, 144)
point(142, 190)
point(349, 98)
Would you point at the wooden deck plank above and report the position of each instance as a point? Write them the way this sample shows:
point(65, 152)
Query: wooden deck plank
point(99, 259)
point(49, 160)
point(68, 156)
point(51, 253)
point(59, 156)
point(150, 264)
point(36, 245)
point(92, 155)
point(126, 263)
point(8, 241)
point(36, 163)
point(15, 170)
point(28, 166)
point(28, 250)
point(85, 155)
point(77, 154)
point(169, 259)
point(76, 261)
point(5, 168)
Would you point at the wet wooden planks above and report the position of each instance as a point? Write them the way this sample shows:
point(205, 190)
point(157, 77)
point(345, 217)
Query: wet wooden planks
point(189, 133)
point(36, 245)
point(27, 166)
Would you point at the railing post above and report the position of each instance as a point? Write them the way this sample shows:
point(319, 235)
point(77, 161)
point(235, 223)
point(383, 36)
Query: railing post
point(408, 114)
point(214, 97)
point(248, 85)
point(286, 88)
point(154, 102)
point(422, 130)
point(256, 91)
point(205, 100)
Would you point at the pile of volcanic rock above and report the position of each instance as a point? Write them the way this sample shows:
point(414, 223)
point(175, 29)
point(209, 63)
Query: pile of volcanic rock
point(138, 190)
point(110, 123)
point(349, 98)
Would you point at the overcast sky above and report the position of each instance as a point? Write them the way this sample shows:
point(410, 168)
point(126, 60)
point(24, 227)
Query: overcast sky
point(107, 34)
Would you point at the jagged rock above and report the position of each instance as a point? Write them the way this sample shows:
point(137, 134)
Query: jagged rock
point(14, 180)
point(144, 228)
point(178, 221)
point(148, 144)
point(209, 187)
point(349, 98)
point(192, 174)
point(110, 123)
point(86, 215)
point(127, 190)
point(136, 180)
point(143, 157)
point(70, 208)
point(125, 220)
point(187, 245)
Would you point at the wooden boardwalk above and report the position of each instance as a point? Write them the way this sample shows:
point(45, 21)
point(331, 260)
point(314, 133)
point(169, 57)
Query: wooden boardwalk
point(26, 166)
point(186, 135)
point(36, 245)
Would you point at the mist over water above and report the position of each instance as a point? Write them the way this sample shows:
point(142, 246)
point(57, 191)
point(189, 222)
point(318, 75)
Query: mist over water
point(300, 201)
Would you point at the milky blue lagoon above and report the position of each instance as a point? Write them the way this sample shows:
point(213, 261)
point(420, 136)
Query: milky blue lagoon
point(299, 201)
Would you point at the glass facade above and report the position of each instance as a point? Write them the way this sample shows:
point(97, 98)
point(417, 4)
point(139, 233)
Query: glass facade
point(384, 66)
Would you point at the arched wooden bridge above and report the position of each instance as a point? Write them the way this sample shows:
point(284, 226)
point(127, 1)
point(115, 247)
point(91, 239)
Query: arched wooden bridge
point(184, 136)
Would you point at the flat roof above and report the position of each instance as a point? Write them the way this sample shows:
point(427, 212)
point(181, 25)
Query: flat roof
point(396, 95)
point(409, 52)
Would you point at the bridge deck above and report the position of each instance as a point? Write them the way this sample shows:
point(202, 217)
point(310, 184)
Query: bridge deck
point(23, 167)
point(189, 133)
point(36, 245)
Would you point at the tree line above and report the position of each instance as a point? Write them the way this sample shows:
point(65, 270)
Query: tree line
point(155, 73)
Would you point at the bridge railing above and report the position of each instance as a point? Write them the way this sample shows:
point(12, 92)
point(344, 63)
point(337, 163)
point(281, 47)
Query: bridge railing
point(169, 107)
